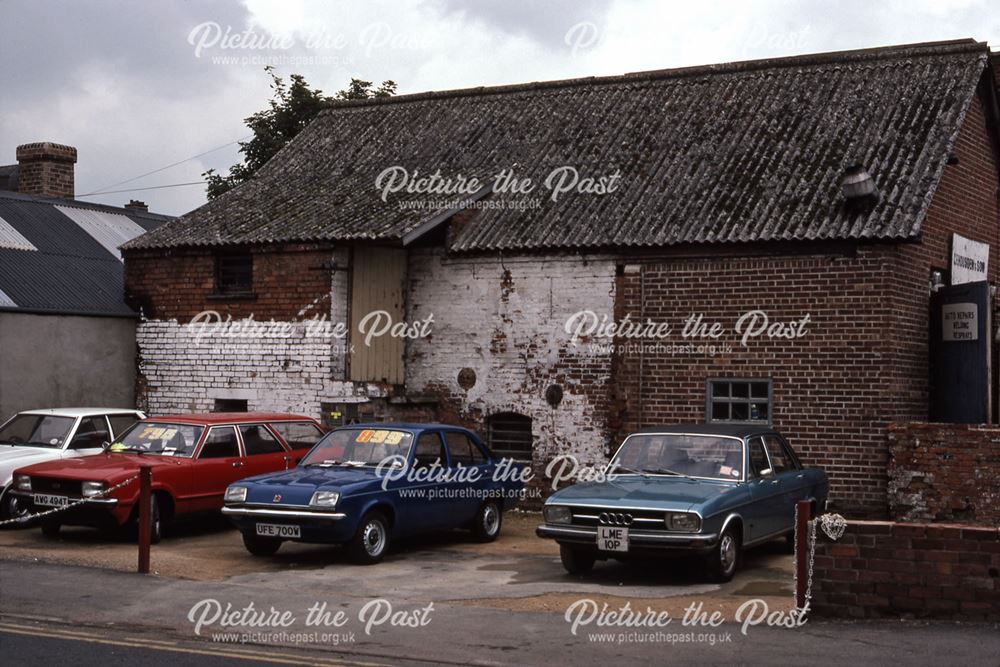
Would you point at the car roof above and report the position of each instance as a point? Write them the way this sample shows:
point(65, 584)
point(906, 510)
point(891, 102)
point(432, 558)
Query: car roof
point(407, 426)
point(216, 418)
point(731, 430)
point(78, 412)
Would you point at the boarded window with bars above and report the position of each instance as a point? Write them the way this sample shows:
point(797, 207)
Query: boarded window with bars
point(234, 273)
point(510, 436)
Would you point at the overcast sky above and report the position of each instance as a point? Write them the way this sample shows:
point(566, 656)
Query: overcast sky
point(137, 86)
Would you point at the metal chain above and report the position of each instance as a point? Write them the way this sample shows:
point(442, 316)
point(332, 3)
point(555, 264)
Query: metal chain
point(26, 519)
point(833, 525)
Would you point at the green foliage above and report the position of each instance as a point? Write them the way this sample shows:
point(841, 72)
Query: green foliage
point(291, 107)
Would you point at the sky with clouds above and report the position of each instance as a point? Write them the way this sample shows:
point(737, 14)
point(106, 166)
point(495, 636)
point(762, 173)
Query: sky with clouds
point(138, 86)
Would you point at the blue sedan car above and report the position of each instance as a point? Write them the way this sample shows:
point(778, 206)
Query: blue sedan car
point(366, 485)
point(711, 490)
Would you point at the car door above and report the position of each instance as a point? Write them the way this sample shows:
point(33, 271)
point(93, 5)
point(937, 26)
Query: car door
point(263, 452)
point(425, 506)
point(766, 510)
point(793, 483)
point(219, 464)
point(466, 462)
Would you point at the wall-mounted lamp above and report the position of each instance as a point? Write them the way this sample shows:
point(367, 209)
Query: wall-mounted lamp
point(937, 280)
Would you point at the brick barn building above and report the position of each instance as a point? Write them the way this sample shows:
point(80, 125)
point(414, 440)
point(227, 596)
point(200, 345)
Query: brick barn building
point(723, 195)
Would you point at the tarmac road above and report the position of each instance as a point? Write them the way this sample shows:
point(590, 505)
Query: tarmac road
point(501, 604)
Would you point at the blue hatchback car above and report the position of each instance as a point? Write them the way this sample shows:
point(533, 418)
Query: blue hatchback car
point(366, 485)
point(711, 490)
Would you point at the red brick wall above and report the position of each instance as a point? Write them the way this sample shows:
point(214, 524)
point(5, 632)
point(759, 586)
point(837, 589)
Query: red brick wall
point(863, 363)
point(179, 284)
point(944, 472)
point(929, 570)
point(829, 387)
point(966, 202)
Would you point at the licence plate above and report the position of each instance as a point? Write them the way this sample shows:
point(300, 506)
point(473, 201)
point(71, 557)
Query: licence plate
point(278, 530)
point(612, 538)
point(50, 501)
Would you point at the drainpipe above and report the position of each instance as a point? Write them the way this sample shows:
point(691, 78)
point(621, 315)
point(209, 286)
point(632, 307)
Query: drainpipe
point(642, 347)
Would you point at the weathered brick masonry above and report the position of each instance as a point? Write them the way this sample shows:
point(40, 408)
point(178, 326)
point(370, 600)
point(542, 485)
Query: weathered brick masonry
point(944, 472)
point(879, 568)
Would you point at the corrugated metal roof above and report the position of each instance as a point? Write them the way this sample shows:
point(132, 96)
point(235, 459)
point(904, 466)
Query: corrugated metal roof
point(109, 229)
point(6, 301)
point(75, 267)
point(728, 153)
point(13, 239)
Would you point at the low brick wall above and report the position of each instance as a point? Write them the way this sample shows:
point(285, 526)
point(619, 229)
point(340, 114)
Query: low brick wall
point(880, 568)
point(944, 472)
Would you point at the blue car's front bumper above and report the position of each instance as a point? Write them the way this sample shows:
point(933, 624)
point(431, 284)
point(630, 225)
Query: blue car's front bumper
point(315, 526)
point(639, 540)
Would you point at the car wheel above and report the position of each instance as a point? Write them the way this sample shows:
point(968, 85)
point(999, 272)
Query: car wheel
point(50, 527)
point(725, 557)
point(576, 560)
point(488, 521)
point(15, 507)
point(371, 541)
point(261, 546)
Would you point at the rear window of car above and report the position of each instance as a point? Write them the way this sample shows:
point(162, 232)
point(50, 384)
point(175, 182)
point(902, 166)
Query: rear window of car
point(298, 435)
point(121, 423)
point(258, 440)
point(462, 449)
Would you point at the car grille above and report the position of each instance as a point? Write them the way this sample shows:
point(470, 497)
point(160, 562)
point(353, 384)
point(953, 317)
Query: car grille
point(62, 487)
point(606, 516)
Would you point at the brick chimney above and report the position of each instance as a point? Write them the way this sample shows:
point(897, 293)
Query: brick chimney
point(137, 205)
point(45, 169)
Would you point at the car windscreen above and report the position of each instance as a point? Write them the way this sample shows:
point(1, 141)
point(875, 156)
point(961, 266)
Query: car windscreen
point(159, 438)
point(36, 430)
point(708, 456)
point(355, 446)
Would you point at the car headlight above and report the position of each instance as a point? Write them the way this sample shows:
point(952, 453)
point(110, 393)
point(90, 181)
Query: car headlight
point(236, 494)
point(93, 489)
point(325, 499)
point(22, 482)
point(557, 514)
point(683, 522)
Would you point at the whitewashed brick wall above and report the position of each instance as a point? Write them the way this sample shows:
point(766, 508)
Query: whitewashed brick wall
point(511, 333)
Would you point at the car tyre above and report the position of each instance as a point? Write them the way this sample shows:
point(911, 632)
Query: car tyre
point(50, 527)
point(488, 522)
point(577, 561)
point(14, 507)
point(261, 546)
point(370, 542)
point(724, 559)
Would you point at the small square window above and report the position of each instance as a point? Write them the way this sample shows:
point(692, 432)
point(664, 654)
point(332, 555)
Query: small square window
point(739, 400)
point(234, 273)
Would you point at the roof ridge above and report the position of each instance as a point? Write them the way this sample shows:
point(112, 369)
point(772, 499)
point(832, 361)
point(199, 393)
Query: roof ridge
point(87, 205)
point(919, 49)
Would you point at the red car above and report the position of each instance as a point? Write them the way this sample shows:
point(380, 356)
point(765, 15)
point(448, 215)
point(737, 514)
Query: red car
point(193, 458)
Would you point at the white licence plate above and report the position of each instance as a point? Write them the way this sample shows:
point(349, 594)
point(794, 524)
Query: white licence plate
point(612, 538)
point(50, 501)
point(278, 530)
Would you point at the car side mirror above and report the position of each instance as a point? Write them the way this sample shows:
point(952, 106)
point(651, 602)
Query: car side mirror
point(766, 472)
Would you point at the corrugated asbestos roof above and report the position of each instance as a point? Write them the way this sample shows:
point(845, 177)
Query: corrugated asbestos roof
point(60, 256)
point(726, 153)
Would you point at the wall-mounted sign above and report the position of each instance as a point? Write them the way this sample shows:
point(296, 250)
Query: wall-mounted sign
point(968, 260)
point(960, 322)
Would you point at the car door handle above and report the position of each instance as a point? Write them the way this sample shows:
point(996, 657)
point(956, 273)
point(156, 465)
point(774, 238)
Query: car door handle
point(238, 464)
point(801, 475)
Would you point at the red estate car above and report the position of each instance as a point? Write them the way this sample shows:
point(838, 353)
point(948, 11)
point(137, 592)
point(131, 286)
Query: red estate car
point(194, 458)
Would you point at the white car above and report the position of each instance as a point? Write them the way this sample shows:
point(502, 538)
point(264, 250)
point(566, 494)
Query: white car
point(35, 436)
